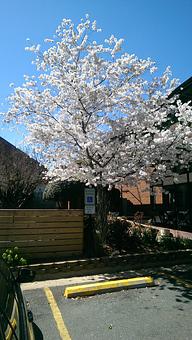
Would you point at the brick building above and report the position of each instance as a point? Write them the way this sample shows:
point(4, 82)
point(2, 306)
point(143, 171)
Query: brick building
point(170, 196)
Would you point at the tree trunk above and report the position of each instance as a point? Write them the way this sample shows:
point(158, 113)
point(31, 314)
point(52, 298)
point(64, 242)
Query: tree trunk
point(102, 211)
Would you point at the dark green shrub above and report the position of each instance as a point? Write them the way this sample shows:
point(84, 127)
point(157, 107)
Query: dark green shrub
point(13, 258)
point(124, 236)
point(187, 243)
point(171, 243)
point(118, 232)
point(135, 239)
point(65, 191)
point(149, 236)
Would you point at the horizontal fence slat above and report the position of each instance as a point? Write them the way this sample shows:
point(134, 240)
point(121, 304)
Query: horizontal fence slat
point(53, 255)
point(60, 218)
point(46, 219)
point(66, 212)
point(47, 249)
point(6, 219)
point(42, 243)
point(35, 231)
point(45, 212)
point(44, 237)
point(51, 224)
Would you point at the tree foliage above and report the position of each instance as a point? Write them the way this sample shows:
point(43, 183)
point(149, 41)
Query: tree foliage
point(19, 176)
point(63, 192)
point(97, 114)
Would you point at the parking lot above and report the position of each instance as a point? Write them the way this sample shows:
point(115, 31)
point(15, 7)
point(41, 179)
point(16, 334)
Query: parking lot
point(159, 312)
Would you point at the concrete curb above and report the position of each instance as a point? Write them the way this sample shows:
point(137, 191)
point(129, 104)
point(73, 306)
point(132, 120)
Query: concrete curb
point(81, 267)
point(108, 286)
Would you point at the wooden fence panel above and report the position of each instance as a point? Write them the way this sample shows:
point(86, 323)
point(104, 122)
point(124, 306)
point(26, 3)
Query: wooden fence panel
point(42, 233)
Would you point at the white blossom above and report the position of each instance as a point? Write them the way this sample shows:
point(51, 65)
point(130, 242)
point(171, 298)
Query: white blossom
point(48, 40)
point(33, 48)
point(100, 116)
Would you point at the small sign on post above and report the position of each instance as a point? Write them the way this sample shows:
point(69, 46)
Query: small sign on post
point(89, 201)
point(89, 209)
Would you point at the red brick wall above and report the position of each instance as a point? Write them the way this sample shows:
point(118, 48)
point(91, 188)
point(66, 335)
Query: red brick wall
point(140, 194)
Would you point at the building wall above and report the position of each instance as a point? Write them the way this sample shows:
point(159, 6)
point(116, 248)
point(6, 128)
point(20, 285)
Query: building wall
point(137, 195)
point(140, 198)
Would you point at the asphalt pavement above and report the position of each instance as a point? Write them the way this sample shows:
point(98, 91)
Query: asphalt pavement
point(159, 312)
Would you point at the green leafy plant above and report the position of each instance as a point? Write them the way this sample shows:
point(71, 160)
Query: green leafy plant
point(149, 236)
point(125, 237)
point(12, 257)
point(187, 243)
point(174, 243)
point(118, 231)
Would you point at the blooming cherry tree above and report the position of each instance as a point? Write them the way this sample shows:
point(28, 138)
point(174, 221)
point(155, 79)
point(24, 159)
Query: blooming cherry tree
point(99, 115)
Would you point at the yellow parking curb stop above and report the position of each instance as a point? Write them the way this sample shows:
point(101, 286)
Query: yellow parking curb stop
point(103, 287)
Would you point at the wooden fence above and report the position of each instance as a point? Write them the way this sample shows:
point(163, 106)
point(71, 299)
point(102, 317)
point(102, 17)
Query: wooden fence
point(42, 233)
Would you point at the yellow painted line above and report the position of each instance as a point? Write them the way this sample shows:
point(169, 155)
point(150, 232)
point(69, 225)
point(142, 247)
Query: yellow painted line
point(64, 334)
point(99, 287)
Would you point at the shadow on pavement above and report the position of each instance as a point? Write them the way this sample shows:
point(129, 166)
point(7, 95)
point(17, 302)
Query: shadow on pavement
point(177, 278)
point(180, 278)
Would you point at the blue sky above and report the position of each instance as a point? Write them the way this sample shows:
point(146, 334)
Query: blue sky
point(160, 29)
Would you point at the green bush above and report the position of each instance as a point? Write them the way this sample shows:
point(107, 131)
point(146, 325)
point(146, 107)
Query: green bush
point(135, 239)
point(123, 236)
point(187, 243)
point(149, 236)
point(168, 243)
point(13, 258)
point(118, 231)
point(174, 243)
